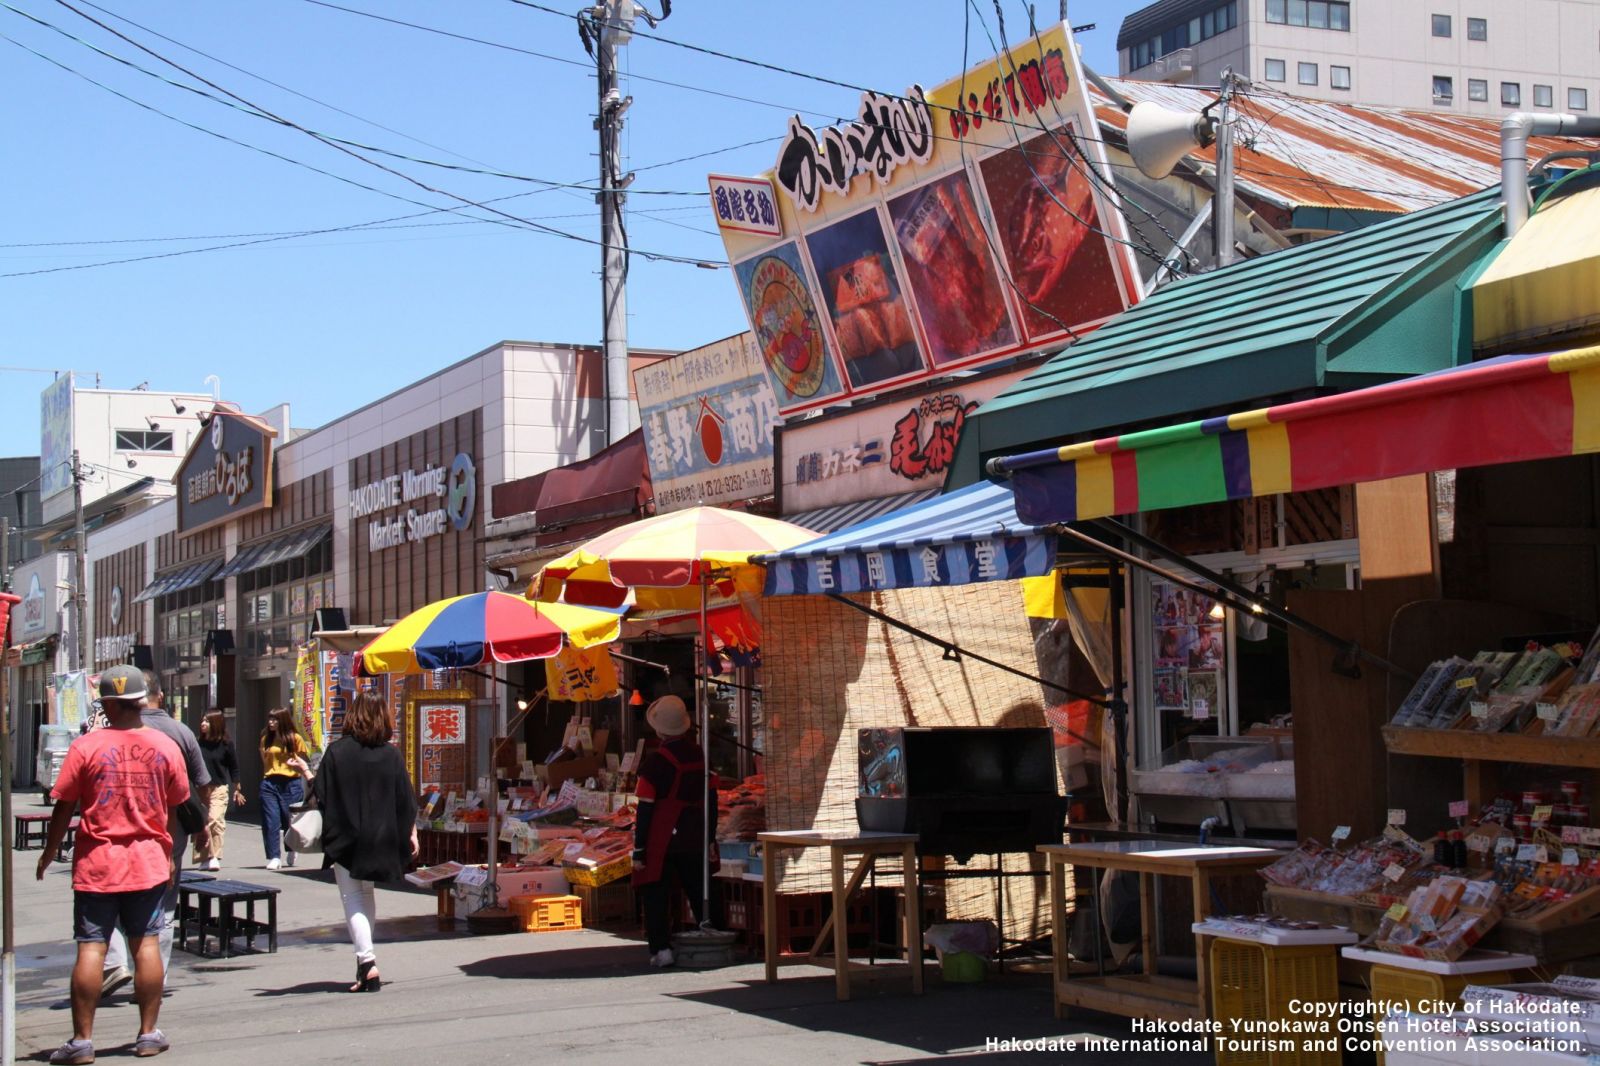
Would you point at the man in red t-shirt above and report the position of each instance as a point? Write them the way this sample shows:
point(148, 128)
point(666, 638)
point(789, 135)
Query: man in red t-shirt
point(123, 780)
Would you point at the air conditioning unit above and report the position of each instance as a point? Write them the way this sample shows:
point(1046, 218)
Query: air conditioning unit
point(1176, 67)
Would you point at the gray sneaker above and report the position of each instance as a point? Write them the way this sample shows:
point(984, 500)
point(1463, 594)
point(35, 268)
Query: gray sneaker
point(113, 979)
point(151, 1043)
point(74, 1051)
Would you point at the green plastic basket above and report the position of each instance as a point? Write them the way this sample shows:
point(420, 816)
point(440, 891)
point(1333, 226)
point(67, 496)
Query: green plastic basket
point(963, 967)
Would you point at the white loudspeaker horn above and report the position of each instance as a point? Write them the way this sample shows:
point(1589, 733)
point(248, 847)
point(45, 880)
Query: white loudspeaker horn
point(1159, 138)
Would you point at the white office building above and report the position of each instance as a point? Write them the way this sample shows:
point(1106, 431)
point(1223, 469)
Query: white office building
point(1476, 57)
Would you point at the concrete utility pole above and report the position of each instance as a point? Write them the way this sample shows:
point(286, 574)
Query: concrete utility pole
point(8, 932)
point(80, 551)
point(605, 28)
point(1222, 209)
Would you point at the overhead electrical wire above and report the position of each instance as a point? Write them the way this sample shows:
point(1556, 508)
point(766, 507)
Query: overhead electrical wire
point(509, 218)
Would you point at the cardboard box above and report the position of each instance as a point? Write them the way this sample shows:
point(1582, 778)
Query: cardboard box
point(532, 881)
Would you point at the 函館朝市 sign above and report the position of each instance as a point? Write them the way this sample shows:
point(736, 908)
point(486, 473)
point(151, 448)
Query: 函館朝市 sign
point(227, 473)
point(939, 230)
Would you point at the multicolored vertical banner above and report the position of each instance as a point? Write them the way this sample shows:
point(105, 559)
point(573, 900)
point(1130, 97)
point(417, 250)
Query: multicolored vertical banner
point(334, 688)
point(72, 698)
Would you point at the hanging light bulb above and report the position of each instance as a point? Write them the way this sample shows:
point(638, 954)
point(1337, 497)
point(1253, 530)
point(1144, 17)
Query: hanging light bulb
point(1218, 612)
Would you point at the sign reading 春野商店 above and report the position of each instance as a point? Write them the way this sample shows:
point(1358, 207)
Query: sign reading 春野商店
point(939, 230)
point(707, 416)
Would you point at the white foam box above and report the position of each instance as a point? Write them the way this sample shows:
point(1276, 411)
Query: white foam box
point(1514, 1003)
point(1446, 1042)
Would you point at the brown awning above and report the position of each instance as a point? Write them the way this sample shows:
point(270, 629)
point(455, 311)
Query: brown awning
point(614, 482)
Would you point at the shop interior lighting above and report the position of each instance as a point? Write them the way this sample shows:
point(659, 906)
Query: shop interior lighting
point(522, 702)
point(637, 699)
point(1219, 612)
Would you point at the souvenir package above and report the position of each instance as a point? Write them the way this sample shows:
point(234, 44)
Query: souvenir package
point(1441, 920)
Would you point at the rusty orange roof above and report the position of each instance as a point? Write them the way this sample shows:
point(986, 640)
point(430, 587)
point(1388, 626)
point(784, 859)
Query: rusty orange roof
point(1295, 152)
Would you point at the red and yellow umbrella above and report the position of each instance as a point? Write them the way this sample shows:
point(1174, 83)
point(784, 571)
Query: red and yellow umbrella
point(467, 631)
point(668, 560)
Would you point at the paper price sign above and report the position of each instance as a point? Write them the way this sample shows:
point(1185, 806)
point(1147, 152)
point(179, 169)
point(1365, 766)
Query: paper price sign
point(1478, 709)
point(1589, 838)
point(1569, 856)
point(1394, 872)
point(1341, 832)
point(1396, 913)
point(1397, 816)
point(1504, 844)
point(1458, 808)
point(1546, 711)
point(1478, 842)
point(1571, 834)
point(1528, 853)
point(1542, 814)
point(1466, 682)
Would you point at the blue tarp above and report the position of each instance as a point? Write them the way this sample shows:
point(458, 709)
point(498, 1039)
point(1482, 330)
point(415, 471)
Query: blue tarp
point(968, 536)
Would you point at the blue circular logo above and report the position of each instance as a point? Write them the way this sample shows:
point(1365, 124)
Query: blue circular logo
point(462, 499)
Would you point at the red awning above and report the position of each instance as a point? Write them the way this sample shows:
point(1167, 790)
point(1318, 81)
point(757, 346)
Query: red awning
point(614, 482)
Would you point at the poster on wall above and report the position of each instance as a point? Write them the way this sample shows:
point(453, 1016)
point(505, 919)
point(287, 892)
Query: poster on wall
point(865, 300)
point(939, 230)
point(1191, 657)
point(960, 300)
point(787, 328)
point(707, 416)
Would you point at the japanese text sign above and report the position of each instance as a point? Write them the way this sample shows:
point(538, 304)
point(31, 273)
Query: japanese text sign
point(443, 723)
point(938, 230)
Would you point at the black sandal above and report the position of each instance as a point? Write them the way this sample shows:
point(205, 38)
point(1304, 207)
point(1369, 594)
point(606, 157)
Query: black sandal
point(366, 980)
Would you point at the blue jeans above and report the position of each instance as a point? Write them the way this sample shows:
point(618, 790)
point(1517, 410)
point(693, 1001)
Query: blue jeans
point(278, 795)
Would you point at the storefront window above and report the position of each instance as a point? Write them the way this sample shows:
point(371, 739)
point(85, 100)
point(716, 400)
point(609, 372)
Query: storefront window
point(278, 602)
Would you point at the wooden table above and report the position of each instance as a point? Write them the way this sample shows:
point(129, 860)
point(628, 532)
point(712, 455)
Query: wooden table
point(1146, 995)
point(866, 847)
point(32, 830)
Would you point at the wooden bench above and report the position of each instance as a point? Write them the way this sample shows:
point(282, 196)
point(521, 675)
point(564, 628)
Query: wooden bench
point(33, 831)
point(207, 908)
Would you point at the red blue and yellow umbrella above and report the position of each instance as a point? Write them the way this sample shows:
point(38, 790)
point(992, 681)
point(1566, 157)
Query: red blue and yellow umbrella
point(468, 631)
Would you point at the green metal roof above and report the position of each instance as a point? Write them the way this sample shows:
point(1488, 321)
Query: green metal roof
point(1339, 313)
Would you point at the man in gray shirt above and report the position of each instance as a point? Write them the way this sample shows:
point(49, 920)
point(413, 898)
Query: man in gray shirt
point(155, 716)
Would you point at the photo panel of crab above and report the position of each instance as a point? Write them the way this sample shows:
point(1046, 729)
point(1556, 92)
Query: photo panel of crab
point(1047, 222)
point(865, 300)
point(788, 330)
point(959, 296)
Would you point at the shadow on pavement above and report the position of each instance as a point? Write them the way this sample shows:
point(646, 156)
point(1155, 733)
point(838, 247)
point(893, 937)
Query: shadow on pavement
point(410, 929)
point(566, 964)
point(309, 988)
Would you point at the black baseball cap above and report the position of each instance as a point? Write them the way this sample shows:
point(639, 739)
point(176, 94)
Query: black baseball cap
point(122, 683)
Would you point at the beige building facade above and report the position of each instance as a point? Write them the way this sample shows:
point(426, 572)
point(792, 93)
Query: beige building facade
point(1475, 57)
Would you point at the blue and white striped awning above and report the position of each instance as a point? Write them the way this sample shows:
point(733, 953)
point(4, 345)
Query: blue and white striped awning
point(844, 515)
point(970, 535)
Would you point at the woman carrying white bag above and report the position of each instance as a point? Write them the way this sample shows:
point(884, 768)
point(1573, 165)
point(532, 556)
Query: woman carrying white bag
point(368, 821)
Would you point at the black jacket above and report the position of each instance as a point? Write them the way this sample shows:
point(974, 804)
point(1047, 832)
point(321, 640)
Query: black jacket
point(368, 810)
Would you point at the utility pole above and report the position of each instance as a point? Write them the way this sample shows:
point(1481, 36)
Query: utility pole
point(1222, 208)
point(605, 28)
point(80, 551)
point(8, 932)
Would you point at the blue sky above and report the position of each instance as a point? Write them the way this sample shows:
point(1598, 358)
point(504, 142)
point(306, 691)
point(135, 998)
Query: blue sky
point(332, 321)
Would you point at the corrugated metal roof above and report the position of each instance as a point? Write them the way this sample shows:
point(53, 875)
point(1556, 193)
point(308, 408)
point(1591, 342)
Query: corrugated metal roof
point(1309, 153)
point(1265, 327)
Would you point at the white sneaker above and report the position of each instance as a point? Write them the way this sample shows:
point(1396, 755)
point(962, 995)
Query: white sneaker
point(214, 864)
point(663, 958)
point(288, 858)
point(274, 864)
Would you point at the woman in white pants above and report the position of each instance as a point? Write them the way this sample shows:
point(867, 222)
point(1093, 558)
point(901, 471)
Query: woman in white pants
point(369, 821)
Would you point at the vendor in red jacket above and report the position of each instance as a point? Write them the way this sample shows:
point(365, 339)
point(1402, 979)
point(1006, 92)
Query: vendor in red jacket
point(670, 835)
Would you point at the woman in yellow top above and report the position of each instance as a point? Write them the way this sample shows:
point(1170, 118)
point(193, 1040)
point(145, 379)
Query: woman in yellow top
point(281, 790)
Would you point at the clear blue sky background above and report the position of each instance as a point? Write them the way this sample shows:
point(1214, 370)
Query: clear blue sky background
point(332, 321)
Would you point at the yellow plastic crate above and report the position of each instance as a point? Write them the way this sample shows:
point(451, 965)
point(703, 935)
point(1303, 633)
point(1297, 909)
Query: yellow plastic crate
point(595, 876)
point(547, 914)
point(1394, 985)
point(1256, 982)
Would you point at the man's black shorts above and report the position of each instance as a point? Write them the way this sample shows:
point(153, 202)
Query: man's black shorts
point(95, 914)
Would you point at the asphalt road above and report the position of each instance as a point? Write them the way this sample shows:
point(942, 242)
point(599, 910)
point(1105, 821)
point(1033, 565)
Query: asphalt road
point(581, 997)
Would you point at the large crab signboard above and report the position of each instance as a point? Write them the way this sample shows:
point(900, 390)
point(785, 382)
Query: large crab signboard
point(939, 231)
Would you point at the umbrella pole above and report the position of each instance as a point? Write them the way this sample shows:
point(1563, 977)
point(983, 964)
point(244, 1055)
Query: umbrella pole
point(705, 753)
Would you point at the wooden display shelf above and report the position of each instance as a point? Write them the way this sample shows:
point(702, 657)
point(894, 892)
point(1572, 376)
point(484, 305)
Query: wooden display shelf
point(1582, 752)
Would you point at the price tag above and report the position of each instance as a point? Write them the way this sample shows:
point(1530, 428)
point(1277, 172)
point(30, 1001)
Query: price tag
point(1397, 816)
point(1528, 853)
point(1458, 808)
point(1569, 856)
point(1547, 711)
point(1571, 834)
point(1504, 845)
point(1541, 853)
point(1466, 682)
point(1478, 709)
point(1396, 913)
point(1341, 832)
point(1200, 709)
point(1478, 842)
point(1394, 872)
point(1542, 814)
point(1589, 838)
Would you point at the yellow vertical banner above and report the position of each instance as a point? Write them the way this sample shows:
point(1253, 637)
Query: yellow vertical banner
point(307, 705)
point(581, 674)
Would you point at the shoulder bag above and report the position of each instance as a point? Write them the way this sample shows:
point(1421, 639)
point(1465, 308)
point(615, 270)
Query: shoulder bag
point(305, 829)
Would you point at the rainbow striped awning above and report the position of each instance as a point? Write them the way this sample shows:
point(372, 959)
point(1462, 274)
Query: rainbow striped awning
point(1504, 410)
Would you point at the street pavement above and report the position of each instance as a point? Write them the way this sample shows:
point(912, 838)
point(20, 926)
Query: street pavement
point(580, 997)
